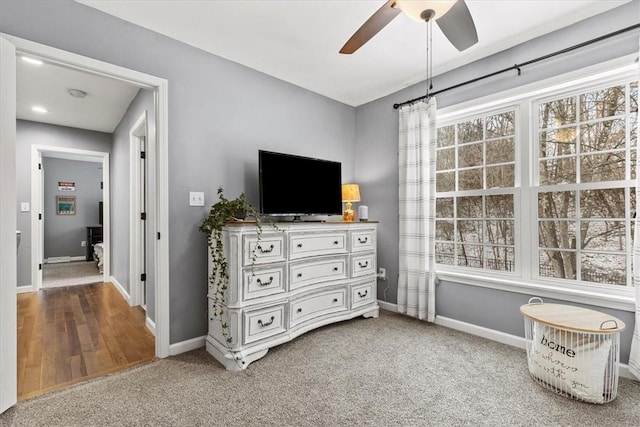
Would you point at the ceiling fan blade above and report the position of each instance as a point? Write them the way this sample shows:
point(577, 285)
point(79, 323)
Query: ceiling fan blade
point(457, 25)
point(371, 27)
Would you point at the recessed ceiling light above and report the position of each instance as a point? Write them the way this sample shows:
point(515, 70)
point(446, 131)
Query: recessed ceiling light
point(39, 109)
point(33, 61)
point(77, 93)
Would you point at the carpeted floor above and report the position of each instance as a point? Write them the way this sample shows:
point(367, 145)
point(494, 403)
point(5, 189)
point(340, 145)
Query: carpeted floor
point(389, 371)
point(70, 274)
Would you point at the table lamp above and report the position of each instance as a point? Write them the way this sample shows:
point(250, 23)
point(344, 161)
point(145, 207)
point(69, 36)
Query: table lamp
point(350, 193)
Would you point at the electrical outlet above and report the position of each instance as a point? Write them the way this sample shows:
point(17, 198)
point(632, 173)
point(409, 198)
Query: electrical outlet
point(83, 243)
point(382, 272)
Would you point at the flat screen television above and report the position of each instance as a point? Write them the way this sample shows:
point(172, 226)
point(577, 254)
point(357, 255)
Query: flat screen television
point(293, 185)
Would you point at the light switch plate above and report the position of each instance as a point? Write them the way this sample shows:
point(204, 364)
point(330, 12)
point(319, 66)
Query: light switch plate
point(24, 207)
point(196, 198)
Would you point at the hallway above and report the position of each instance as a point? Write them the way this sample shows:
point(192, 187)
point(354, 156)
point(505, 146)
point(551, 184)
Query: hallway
point(70, 334)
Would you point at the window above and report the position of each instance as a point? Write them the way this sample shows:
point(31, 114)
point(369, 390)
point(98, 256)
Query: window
point(585, 184)
point(475, 176)
point(544, 188)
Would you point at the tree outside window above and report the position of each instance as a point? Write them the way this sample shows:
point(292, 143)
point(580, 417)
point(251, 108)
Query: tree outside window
point(582, 195)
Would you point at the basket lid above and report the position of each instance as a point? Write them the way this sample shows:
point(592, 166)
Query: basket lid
point(571, 317)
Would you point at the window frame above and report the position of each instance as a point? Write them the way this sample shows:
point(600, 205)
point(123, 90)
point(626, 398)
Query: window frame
point(525, 278)
point(488, 191)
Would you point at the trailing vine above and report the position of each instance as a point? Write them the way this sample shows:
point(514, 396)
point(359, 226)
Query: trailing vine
point(223, 212)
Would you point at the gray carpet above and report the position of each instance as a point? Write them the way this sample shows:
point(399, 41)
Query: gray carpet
point(390, 371)
point(70, 274)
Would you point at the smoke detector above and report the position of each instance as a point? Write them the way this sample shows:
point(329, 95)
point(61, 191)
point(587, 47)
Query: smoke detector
point(77, 93)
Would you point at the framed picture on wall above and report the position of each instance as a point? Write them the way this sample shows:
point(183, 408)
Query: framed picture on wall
point(66, 205)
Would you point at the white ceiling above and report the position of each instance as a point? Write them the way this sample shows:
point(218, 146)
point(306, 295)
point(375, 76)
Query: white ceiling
point(46, 85)
point(296, 41)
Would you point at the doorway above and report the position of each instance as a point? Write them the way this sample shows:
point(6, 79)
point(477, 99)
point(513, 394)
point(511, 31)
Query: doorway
point(12, 46)
point(95, 216)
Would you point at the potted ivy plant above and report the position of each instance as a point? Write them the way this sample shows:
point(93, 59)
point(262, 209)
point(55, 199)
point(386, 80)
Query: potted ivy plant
point(223, 212)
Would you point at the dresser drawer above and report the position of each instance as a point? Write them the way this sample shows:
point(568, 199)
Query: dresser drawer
point(263, 323)
point(364, 240)
point(311, 272)
point(362, 294)
point(361, 265)
point(270, 248)
point(307, 245)
point(261, 282)
point(316, 305)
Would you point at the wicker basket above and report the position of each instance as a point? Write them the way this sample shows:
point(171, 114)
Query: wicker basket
point(573, 351)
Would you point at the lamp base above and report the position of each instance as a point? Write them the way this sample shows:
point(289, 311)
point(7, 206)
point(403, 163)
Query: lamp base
point(349, 215)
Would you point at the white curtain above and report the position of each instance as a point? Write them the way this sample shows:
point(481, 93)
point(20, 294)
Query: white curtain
point(634, 354)
point(416, 164)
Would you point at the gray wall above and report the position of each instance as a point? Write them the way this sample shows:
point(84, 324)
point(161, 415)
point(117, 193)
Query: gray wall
point(377, 142)
point(220, 114)
point(120, 201)
point(63, 233)
point(31, 133)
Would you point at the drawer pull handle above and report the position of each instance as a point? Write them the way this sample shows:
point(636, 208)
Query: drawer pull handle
point(335, 300)
point(365, 265)
point(262, 325)
point(265, 251)
point(299, 275)
point(363, 295)
point(335, 242)
point(299, 245)
point(363, 240)
point(261, 283)
point(335, 268)
point(299, 310)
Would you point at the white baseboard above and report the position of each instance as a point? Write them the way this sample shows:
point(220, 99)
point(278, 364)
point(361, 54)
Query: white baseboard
point(59, 259)
point(491, 334)
point(388, 306)
point(623, 371)
point(151, 325)
point(120, 289)
point(481, 331)
point(188, 345)
point(23, 289)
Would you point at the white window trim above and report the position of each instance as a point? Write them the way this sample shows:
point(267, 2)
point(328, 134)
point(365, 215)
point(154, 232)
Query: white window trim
point(523, 97)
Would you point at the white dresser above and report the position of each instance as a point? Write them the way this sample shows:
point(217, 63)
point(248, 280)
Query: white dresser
point(305, 275)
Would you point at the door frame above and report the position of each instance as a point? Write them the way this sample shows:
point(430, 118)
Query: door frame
point(8, 227)
point(8, 285)
point(137, 235)
point(37, 197)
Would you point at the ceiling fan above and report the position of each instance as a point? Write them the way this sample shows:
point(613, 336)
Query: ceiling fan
point(452, 17)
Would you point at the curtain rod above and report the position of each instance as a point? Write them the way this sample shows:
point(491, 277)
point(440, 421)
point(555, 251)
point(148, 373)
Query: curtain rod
point(518, 66)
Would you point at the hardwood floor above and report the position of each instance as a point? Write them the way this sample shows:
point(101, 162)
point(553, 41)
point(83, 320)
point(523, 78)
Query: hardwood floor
point(70, 334)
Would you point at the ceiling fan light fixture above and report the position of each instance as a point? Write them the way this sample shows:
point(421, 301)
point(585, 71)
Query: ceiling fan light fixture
point(414, 8)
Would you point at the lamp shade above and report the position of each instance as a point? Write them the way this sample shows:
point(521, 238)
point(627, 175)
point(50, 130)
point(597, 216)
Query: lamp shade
point(350, 193)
